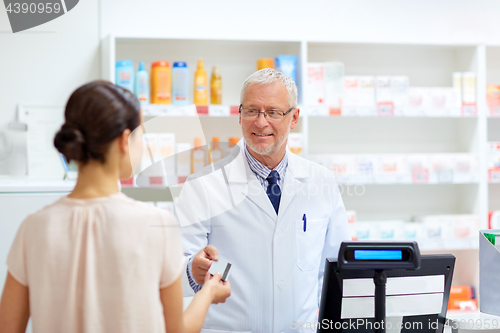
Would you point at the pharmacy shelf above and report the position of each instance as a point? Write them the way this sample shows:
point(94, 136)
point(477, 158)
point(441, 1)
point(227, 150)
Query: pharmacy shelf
point(471, 243)
point(391, 135)
point(187, 128)
point(359, 112)
point(236, 58)
point(425, 65)
point(148, 193)
point(169, 110)
point(374, 202)
point(494, 196)
point(25, 185)
point(159, 187)
point(493, 129)
point(408, 184)
point(493, 123)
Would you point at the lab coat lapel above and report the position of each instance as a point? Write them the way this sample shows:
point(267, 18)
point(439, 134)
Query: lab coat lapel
point(294, 179)
point(258, 196)
point(242, 180)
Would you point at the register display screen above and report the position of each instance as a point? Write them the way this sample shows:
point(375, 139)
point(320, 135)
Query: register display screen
point(378, 255)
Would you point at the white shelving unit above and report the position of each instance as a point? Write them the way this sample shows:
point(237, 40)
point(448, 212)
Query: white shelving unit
point(493, 77)
point(425, 65)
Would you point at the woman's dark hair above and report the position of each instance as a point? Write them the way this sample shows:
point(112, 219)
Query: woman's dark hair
point(96, 114)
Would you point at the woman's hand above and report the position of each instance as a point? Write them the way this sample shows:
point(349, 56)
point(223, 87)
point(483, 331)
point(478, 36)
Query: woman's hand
point(219, 290)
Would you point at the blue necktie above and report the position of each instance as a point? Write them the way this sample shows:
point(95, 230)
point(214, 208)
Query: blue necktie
point(273, 190)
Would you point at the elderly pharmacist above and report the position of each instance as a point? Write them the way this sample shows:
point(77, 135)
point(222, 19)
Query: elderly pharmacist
point(272, 214)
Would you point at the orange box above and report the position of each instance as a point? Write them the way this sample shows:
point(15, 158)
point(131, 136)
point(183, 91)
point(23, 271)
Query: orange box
point(460, 295)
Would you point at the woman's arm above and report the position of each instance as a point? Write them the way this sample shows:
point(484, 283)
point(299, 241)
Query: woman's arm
point(14, 307)
point(214, 291)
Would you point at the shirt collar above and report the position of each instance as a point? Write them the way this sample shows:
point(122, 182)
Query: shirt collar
point(262, 170)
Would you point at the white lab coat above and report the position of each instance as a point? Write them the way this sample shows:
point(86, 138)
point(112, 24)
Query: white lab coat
point(277, 268)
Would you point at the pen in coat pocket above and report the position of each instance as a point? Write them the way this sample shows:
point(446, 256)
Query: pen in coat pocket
point(304, 218)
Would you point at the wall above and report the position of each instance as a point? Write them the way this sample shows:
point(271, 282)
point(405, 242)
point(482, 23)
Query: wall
point(43, 65)
point(390, 21)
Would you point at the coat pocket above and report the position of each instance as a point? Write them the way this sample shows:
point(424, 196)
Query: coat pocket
point(310, 242)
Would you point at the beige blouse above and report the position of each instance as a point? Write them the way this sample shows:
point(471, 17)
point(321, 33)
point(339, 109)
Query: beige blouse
point(97, 265)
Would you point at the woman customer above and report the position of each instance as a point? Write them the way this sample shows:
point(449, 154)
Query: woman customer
point(97, 260)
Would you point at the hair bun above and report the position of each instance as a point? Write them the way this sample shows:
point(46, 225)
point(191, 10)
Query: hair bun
point(71, 143)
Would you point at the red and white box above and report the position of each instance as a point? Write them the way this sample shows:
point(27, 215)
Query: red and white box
point(315, 84)
point(392, 169)
point(442, 168)
point(384, 96)
point(493, 99)
point(419, 166)
point(494, 162)
point(350, 99)
point(469, 108)
point(345, 167)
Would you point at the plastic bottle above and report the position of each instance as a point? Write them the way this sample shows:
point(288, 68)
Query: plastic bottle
point(287, 64)
point(232, 141)
point(142, 85)
point(216, 152)
point(198, 156)
point(265, 63)
point(180, 83)
point(216, 87)
point(124, 74)
point(200, 85)
point(161, 83)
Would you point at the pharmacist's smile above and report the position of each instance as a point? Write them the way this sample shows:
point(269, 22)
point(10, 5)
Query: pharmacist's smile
point(261, 135)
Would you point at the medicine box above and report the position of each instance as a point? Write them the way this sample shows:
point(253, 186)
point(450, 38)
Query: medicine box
point(384, 96)
point(351, 94)
point(493, 99)
point(295, 143)
point(400, 87)
point(415, 105)
point(366, 165)
point(315, 84)
point(345, 168)
point(469, 108)
point(334, 83)
point(366, 96)
point(441, 168)
point(392, 168)
point(367, 230)
point(494, 162)
point(419, 166)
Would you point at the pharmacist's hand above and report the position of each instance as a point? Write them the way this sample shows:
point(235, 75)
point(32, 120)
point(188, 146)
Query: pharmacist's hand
point(219, 290)
point(202, 262)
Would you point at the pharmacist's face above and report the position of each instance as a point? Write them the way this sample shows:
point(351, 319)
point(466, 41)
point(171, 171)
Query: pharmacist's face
point(265, 136)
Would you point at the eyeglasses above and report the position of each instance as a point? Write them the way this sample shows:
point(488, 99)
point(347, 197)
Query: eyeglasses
point(269, 114)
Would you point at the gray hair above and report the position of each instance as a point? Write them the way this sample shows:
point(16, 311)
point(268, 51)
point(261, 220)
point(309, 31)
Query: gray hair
point(268, 76)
